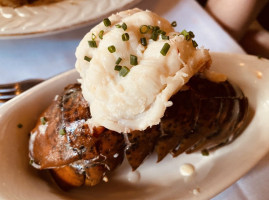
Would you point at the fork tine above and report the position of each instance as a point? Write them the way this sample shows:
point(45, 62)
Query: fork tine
point(11, 90)
point(7, 90)
point(6, 97)
point(7, 86)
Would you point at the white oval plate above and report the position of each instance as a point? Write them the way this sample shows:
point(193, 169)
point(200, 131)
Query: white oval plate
point(159, 181)
point(31, 21)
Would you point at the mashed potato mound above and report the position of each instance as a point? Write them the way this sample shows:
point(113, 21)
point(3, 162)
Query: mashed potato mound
point(139, 99)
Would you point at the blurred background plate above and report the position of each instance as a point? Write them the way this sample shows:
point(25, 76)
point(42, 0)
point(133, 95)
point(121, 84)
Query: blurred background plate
point(29, 21)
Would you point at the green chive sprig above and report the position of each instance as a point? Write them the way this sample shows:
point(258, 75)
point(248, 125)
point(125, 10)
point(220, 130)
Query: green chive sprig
point(174, 24)
point(111, 49)
point(125, 37)
point(194, 43)
point(92, 44)
point(124, 26)
point(87, 58)
point(156, 28)
point(165, 49)
point(43, 120)
point(161, 32)
point(107, 22)
point(118, 26)
point(117, 67)
point(144, 29)
point(133, 60)
point(189, 35)
point(124, 71)
point(118, 60)
point(93, 36)
point(205, 152)
point(101, 34)
point(154, 35)
point(143, 41)
point(165, 37)
point(62, 131)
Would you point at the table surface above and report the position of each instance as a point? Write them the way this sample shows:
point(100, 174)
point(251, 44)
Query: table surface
point(47, 56)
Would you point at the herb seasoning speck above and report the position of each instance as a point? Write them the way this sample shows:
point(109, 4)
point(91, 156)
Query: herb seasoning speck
point(62, 131)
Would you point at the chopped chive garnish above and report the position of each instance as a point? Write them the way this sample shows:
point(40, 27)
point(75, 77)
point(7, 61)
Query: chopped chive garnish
point(101, 33)
point(154, 35)
point(156, 28)
point(93, 36)
point(174, 24)
point(165, 49)
point(188, 35)
point(205, 152)
point(62, 131)
point(43, 120)
point(124, 71)
point(87, 58)
point(184, 32)
point(117, 67)
point(191, 34)
point(107, 22)
point(31, 161)
point(125, 37)
point(92, 44)
point(150, 27)
point(118, 25)
point(143, 41)
point(111, 49)
point(133, 60)
point(144, 29)
point(165, 37)
point(194, 43)
point(19, 125)
point(124, 26)
point(161, 32)
point(118, 60)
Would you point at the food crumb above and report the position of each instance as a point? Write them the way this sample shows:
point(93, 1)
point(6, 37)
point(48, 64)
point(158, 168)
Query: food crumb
point(196, 191)
point(205, 152)
point(259, 74)
point(105, 179)
point(187, 169)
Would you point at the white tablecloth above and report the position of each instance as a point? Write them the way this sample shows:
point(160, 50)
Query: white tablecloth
point(47, 56)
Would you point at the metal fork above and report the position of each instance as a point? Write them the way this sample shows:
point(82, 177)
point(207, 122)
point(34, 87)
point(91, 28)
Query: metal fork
point(9, 91)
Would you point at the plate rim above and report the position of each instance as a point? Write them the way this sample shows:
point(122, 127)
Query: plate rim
point(4, 108)
point(60, 28)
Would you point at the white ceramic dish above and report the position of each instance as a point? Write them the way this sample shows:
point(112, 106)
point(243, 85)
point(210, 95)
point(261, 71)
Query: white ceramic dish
point(29, 21)
point(157, 181)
